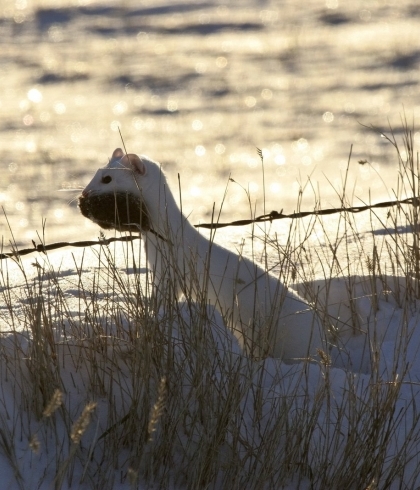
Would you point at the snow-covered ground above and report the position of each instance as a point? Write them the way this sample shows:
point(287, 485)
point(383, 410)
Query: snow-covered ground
point(70, 322)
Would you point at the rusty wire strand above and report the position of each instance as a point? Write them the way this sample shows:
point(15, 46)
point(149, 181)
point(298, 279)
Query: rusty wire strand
point(273, 215)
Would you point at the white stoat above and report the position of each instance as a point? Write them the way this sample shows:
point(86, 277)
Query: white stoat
point(266, 317)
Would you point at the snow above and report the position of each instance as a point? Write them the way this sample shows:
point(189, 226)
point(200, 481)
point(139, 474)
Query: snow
point(267, 385)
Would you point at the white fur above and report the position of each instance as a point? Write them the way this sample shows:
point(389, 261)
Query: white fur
point(267, 318)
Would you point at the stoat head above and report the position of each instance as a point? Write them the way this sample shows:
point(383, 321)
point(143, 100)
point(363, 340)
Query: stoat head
point(117, 195)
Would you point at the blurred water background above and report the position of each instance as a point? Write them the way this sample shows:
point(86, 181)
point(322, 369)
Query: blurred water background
point(199, 86)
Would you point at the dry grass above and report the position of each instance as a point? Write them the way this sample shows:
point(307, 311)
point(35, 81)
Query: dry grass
point(129, 386)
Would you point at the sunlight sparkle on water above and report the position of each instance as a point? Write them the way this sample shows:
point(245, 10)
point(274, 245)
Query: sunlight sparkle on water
point(119, 108)
point(221, 62)
point(195, 191)
point(250, 101)
point(28, 120)
point(266, 94)
point(241, 158)
point(60, 108)
point(200, 150)
point(301, 145)
point(115, 125)
point(328, 117)
point(58, 214)
point(266, 153)
point(280, 159)
point(201, 67)
point(30, 145)
point(172, 105)
point(197, 125)
point(275, 187)
point(34, 95)
point(24, 105)
point(219, 149)
point(55, 33)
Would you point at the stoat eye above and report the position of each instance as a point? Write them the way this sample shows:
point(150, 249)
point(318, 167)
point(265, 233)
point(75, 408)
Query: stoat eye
point(106, 180)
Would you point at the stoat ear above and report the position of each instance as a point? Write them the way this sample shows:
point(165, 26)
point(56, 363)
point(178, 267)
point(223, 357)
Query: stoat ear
point(130, 161)
point(133, 161)
point(118, 153)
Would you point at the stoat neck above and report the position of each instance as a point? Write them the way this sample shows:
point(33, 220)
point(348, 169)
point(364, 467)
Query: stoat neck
point(172, 245)
point(168, 222)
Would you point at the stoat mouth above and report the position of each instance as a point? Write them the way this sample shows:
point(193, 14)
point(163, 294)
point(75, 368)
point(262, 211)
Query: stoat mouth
point(120, 211)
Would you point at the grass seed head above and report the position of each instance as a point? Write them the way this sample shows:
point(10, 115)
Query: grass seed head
point(82, 422)
point(53, 404)
point(157, 409)
point(34, 444)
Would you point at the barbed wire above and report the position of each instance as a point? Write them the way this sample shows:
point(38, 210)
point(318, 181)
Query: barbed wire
point(273, 215)
point(53, 246)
